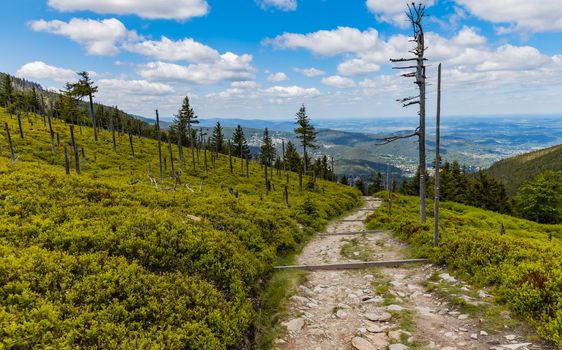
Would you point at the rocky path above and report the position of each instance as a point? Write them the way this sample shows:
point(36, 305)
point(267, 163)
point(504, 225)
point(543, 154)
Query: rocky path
point(414, 307)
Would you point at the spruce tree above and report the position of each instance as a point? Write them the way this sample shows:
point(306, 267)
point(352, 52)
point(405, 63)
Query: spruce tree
point(306, 133)
point(540, 200)
point(239, 143)
point(292, 158)
point(6, 91)
point(85, 87)
point(217, 138)
point(268, 151)
point(377, 183)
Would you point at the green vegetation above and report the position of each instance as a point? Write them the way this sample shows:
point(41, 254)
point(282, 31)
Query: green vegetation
point(514, 171)
point(522, 267)
point(541, 200)
point(112, 258)
point(357, 248)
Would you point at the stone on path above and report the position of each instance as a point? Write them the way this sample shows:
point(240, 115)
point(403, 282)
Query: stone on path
point(382, 317)
point(362, 344)
point(294, 325)
point(394, 307)
point(397, 347)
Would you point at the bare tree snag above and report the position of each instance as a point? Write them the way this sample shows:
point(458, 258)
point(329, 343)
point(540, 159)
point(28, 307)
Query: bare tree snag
point(415, 14)
point(171, 157)
point(131, 143)
point(10, 145)
point(180, 150)
point(205, 155)
point(75, 148)
point(58, 140)
point(437, 159)
point(52, 134)
point(20, 126)
point(112, 126)
point(66, 161)
point(159, 138)
point(247, 168)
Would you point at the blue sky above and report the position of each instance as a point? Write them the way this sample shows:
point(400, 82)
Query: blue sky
point(263, 58)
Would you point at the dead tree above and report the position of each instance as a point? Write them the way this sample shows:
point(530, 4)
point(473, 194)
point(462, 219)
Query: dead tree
point(131, 143)
point(415, 14)
point(437, 159)
point(75, 148)
point(66, 162)
point(10, 145)
point(52, 134)
point(247, 168)
point(171, 157)
point(205, 155)
point(112, 126)
point(159, 138)
point(20, 126)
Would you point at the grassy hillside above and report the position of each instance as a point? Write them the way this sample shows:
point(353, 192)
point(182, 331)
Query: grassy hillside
point(522, 267)
point(516, 170)
point(109, 259)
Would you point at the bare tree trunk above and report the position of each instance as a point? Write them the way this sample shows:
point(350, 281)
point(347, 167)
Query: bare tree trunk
point(191, 146)
point(75, 148)
point(93, 117)
point(180, 150)
point(205, 155)
point(159, 138)
point(10, 145)
point(66, 161)
point(58, 140)
point(131, 143)
point(112, 124)
point(52, 134)
point(437, 159)
point(247, 168)
point(171, 157)
point(20, 126)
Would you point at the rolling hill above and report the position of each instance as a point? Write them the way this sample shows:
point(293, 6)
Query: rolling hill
point(516, 170)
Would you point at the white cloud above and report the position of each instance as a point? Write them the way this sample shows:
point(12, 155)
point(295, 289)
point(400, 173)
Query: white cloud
point(338, 81)
point(166, 9)
point(283, 5)
point(112, 87)
point(291, 91)
point(41, 70)
point(99, 37)
point(169, 50)
point(468, 37)
point(228, 67)
point(310, 72)
point(328, 42)
point(357, 66)
point(521, 16)
point(392, 11)
point(508, 57)
point(245, 84)
point(277, 77)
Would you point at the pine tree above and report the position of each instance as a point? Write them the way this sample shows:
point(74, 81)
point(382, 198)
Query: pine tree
point(85, 87)
point(540, 200)
point(183, 123)
point(344, 180)
point(292, 158)
point(306, 133)
point(268, 151)
point(377, 183)
point(217, 138)
point(6, 90)
point(239, 143)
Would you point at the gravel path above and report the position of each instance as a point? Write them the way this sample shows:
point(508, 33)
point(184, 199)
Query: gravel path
point(415, 307)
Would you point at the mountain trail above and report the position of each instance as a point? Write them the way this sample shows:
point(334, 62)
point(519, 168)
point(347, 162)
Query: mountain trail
point(412, 307)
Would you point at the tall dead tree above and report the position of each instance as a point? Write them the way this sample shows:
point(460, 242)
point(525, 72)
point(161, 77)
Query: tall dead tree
point(415, 14)
point(159, 138)
point(10, 145)
point(75, 149)
point(437, 159)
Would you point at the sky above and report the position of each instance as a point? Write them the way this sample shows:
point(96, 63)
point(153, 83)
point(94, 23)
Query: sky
point(263, 59)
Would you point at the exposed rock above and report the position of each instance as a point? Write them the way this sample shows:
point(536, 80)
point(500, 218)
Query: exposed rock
point(394, 307)
point(474, 336)
point(379, 340)
point(376, 329)
point(448, 278)
point(306, 291)
point(483, 333)
point(299, 299)
point(382, 317)
point(362, 344)
point(463, 317)
point(397, 347)
point(294, 325)
point(510, 337)
point(515, 346)
point(341, 314)
point(483, 294)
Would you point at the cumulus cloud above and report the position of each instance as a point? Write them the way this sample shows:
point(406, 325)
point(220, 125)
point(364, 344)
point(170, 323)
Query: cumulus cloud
point(98, 37)
point(291, 91)
point(468, 37)
point(357, 66)
point(41, 70)
point(228, 67)
point(164, 9)
point(328, 42)
point(310, 72)
point(283, 5)
point(338, 81)
point(392, 11)
point(521, 16)
point(170, 50)
point(111, 87)
point(277, 77)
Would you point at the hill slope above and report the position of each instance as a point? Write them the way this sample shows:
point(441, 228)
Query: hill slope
point(516, 170)
point(115, 259)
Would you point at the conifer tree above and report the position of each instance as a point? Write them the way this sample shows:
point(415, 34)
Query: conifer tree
point(217, 138)
point(377, 183)
point(85, 87)
point(306, 133)
point(239, 143)
point(292, 158)
point(268, 151)
point(540, 200)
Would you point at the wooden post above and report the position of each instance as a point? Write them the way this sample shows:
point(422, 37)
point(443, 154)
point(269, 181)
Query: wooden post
point(437, 160)
point(20, 126)
point(131, 143)
point(83, 154)
point(158, 136)
point(286, 195)
point(10, 145)
point(502, 230)
point(229, 156)
point(171, 157)
point(58, 140)
point(75, 148)
point(66, 161)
